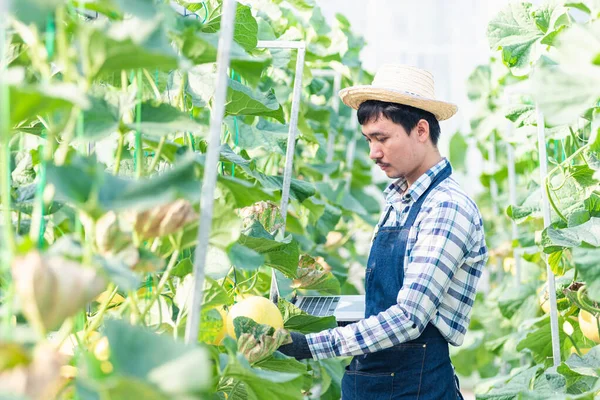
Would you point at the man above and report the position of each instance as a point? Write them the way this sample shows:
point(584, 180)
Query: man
point(426, 258)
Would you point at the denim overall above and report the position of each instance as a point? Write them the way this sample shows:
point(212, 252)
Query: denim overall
point(419, 369)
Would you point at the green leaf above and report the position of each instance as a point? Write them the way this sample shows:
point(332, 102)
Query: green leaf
point(515, 32)
point(566, 89)
point(246, 28)
point(581, 373)
point(281, 363)
point(281, 255)
point(245, 31)
point(35, 12)
point(264, 384)
point(510, 389)
point(586, 262)
point(241, 100)
point(240, 193)
point(84, 183)
point(128, 387)
point(557, 239)
point(522, 114)
point(312, 276)
point(100, 120)
point(214, 294)
point(256, 341)
point(201, 48)
point(245, 258)
point(184, 366)
point(510, 301)
point(183, 268)
point(159, 119)
point(30, 101)
point(271, 137)
point(128, 45)
point(297, 320)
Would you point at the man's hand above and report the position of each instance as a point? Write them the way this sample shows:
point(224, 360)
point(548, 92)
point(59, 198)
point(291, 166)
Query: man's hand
point(298, 348)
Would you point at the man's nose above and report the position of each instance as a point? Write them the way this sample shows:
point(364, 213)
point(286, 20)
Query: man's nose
point(375, 152)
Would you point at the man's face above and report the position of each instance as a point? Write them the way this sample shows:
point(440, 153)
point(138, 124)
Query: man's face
point(395, 152)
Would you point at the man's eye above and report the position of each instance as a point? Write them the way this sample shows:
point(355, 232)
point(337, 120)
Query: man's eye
point(382, 140)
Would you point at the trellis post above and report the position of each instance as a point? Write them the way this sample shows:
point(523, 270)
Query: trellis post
point(210, 171)
point(300, 46)
point(541, 136)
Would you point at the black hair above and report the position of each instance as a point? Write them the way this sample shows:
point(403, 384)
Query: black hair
point(406, 116)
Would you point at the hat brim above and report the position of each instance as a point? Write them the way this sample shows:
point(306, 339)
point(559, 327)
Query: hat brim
point(354, 96)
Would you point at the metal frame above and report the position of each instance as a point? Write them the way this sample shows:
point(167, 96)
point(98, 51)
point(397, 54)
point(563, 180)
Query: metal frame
point(556, 358)
point(300, 46)
point(209, 181)
point(518, 252)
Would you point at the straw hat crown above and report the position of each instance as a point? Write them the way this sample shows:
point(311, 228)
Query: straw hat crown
point(400, 84)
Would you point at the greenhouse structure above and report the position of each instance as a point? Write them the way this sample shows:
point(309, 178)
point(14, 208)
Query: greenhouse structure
point(299, 199)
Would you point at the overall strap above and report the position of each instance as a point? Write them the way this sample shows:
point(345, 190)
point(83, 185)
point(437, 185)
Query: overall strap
point(416, 208)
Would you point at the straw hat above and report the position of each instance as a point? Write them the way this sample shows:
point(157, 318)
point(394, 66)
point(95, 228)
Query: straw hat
point(400, 84)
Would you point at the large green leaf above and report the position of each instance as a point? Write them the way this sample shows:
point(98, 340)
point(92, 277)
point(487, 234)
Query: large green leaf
point(566, 89)
point(557, 239)
point(36, 12)
point(29, 101)
point(511, 388)
point(201, 48)
point(100, 120)
point(297, 320)
point(172, 366)
point(581, 373)
point(241, 100)
point(515, 32)
point(510, 301)
point(245, 32)
point(263, 384)
point(270, 136)
point(241, 193)
point(281, 255)
point(84, 183)
point(159, 119)
point(245, 258)
point(126, 45)
point(587, 262)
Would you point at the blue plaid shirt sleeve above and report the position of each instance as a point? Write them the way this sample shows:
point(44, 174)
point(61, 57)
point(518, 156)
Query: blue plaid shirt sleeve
point(443, 267)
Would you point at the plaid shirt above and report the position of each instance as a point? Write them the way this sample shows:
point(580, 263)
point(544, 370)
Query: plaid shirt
point(445, 254)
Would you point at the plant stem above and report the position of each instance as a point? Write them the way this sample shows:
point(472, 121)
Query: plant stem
point(157, 155)
point(119, 155)
point(139, 151)
point(551, 201)
point(135, 310)
point(152, 84)
point(161, 284)
point(95, 323)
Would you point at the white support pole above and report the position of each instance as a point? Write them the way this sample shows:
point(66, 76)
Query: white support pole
point(512, 193)
point(547, 222)
point(292, 133)
point(210, 170)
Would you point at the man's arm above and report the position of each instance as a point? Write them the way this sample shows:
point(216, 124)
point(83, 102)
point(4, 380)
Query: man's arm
point(443, 239)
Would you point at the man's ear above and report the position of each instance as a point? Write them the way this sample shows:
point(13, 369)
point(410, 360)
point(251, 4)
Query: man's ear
point(422, 131)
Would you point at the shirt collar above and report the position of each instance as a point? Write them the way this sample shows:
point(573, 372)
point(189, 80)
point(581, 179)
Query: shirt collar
point(397, 190)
